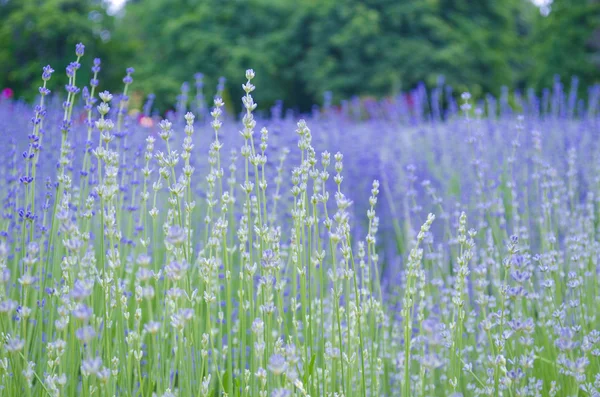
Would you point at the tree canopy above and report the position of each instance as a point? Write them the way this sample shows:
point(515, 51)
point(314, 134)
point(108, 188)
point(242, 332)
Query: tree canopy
point(302, 49)
point(34, 33)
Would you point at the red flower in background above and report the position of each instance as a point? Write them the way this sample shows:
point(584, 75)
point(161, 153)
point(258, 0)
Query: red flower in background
point(7, 93)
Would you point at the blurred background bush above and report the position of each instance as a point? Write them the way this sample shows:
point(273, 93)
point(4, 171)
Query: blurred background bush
point(302, 49)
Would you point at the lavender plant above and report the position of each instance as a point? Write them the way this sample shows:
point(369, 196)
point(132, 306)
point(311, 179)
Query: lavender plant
point(208, 257)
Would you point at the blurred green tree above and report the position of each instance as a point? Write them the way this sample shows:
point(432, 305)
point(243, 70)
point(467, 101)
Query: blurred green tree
point(482, 42)
point(378, 46)
point(174, 39)
point(566, 42)
point(307, 47)
point(302, 48)
point(367, 47)
point(34, 33)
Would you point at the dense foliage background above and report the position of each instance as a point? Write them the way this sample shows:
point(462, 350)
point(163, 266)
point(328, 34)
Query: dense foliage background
point(305, 48)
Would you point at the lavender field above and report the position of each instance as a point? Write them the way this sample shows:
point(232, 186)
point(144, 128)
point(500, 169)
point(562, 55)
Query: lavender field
point(430, 244)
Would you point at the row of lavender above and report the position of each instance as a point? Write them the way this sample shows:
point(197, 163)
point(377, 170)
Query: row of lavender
point(206, 256)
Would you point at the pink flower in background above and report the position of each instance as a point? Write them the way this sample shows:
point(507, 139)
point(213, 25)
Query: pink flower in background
point(7, 93)
point(146, 121)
